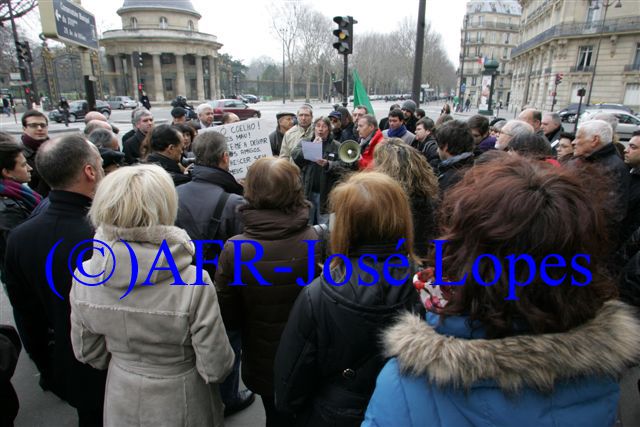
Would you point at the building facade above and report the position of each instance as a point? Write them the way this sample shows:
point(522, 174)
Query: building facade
point(176, 59)
point(489, 31)
point(593, 45)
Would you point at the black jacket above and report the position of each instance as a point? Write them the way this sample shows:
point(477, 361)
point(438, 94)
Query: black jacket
point(30, 149)
point(452, 170)
point(39, 309)
point(429, 149)
point(131, 148)
point(329, 354)
point(275, 138)
point(348, 133)
point(171, 166)
point(12, 214)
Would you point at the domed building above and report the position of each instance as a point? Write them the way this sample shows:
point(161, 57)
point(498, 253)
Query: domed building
point(160, 48)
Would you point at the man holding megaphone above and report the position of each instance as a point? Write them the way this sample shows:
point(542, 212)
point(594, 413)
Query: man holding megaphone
point(370, 136)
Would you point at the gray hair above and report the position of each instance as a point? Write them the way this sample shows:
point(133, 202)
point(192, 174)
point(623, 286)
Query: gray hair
point(555, 117)
point(499, 125)
point(138, 115)
point(61, 161)
point(209, 148)
point(370, 119)
point(518, 128)
point(609, 118)
point(597, 128)
point(203, 107)
point(101, 138)
point(134, 112)
point(307, 108)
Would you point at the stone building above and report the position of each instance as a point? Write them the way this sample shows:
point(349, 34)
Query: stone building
point(593, 45)
point(177, 59)
point(489, 31)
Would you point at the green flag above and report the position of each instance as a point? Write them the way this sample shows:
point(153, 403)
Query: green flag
point(360, 96)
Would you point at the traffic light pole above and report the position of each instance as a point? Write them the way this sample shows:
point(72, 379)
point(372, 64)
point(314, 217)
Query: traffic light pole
point(345, 81)
point(21, 64)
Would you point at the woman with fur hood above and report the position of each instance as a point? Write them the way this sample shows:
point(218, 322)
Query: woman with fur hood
point(161, 336)
point(491, 353)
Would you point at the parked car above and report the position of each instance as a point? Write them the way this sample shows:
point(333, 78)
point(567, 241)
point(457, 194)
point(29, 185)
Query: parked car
point(79, 109)
point(251, 99)
point(568, 114)
point(235, 106)
point(627, 123)
point(122, 102)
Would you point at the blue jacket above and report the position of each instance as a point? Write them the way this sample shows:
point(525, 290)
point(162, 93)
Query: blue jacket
point(449, 375)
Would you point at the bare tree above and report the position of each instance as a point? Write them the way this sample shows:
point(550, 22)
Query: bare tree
point(286, 23)
point(315, 34)
point(19, 8)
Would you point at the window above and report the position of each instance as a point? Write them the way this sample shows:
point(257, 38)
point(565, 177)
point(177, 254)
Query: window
point(473, 81)
point(593, 15)
point(506, 38)
point(632, 94)
point(505, 52)
point(133, 23)
point(480, 19)
point(584, 58)
point(168, 85)
point(501, 81)
point(636, 59)
point(164, 24)
point(190, 25)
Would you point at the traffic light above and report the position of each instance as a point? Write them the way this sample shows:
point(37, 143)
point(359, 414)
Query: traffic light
point(344, 33)
point(558, 78)
point(137, 59)
point(24, 51)
point(140, 86)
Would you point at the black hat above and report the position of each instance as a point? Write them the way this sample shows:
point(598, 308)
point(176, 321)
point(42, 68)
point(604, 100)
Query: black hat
point(336, 114)
point(178, 112)
point(284, 113)
point(111, 157)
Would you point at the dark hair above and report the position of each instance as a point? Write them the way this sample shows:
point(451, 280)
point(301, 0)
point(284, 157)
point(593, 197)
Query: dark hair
point(420, 113)
point(163, 136)
point(363, 107)
point(345, 116)
point(522, 206)
point(209, 148)
point(101, 138)
point(426, 123)
point(60, 161)
point(9, 151)
point(274, 183)
point(572, 136)
point(635, 133)
point(490, 156)
point(455, 136)
point(32, 113)
point(479, 122)
point(537, 115)
point(531, 145)
point(185, 128)
point(397, 113)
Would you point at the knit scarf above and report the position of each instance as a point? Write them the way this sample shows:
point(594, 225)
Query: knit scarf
point(397, 133)
point(21, 193)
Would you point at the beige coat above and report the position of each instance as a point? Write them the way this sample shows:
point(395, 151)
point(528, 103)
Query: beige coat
point(165, 346)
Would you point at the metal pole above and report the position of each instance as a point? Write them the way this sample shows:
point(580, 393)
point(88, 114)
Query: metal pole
point(345, 81)
point(462, 56)
point(593, 73)
point(21, 66)
point(417, 63)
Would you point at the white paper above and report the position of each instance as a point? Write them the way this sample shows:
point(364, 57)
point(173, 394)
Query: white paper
point(312, 151)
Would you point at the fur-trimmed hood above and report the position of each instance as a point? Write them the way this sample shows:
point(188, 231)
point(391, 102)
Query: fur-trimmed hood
point(604, 346)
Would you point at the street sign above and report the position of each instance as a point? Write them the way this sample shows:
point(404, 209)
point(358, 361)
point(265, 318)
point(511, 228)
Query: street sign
point(68, 22)
point(463, 87)
point(15, 76)
point(19, 83)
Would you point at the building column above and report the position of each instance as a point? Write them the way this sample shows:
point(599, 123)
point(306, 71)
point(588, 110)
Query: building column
point(157, 78)
point(119, 87)
point(213, 75)
point(199, 78)
point(180, 84)
point(134, 77)
point(217, 75)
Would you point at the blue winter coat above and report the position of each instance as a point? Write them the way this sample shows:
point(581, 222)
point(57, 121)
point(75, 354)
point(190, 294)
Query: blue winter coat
point(446, 374)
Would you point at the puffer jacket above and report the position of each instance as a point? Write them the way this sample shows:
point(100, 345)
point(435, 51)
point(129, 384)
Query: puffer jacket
point(445, 374)
point(329, 354)
point(261, 311)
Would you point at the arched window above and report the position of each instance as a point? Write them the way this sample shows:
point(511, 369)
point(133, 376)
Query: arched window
point(164, 24)
point(133, 23)
point(190, 25)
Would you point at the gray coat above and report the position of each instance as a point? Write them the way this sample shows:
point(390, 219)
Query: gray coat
point(165, 344)
point(408, 137)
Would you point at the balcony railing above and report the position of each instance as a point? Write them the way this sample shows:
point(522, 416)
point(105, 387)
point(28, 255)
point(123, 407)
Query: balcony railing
point(157, 33)
point(568, 30)
point(632, 67)
point(581, 69)
point(492, 25)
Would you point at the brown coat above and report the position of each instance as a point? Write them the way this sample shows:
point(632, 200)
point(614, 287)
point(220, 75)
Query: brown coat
point(262, 311)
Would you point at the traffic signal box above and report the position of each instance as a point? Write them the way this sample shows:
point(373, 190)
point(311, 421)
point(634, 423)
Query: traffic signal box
point(344, 33)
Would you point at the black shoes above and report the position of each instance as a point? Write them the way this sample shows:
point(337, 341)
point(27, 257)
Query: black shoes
point(245, 398)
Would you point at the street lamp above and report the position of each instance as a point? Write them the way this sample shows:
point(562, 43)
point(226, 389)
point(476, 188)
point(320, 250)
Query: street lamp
point(462, 87)
point(606, 4)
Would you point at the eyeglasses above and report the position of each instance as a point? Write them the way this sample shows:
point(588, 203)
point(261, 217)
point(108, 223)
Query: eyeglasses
point(37, 125)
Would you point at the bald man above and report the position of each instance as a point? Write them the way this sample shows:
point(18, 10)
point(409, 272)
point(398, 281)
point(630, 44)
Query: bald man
point(94, 115)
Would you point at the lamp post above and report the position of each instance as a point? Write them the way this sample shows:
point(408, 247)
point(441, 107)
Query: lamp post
point(283, 32)
point(606, 4)
point(462, 87)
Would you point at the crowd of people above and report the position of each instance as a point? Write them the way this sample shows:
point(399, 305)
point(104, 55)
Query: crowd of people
point(374, 325)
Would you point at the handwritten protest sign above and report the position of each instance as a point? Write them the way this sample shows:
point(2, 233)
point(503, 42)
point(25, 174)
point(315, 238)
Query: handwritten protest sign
point(248, 141)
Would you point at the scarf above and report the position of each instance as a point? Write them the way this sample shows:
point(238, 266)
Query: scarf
point(31, 143)
point(20, 193)
point(397, 133)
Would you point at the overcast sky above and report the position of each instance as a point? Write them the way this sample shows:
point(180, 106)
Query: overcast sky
point(244, 26)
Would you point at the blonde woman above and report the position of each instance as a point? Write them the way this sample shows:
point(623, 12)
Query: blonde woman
point(410, 169)
point(164, 343)
point(328, 356)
